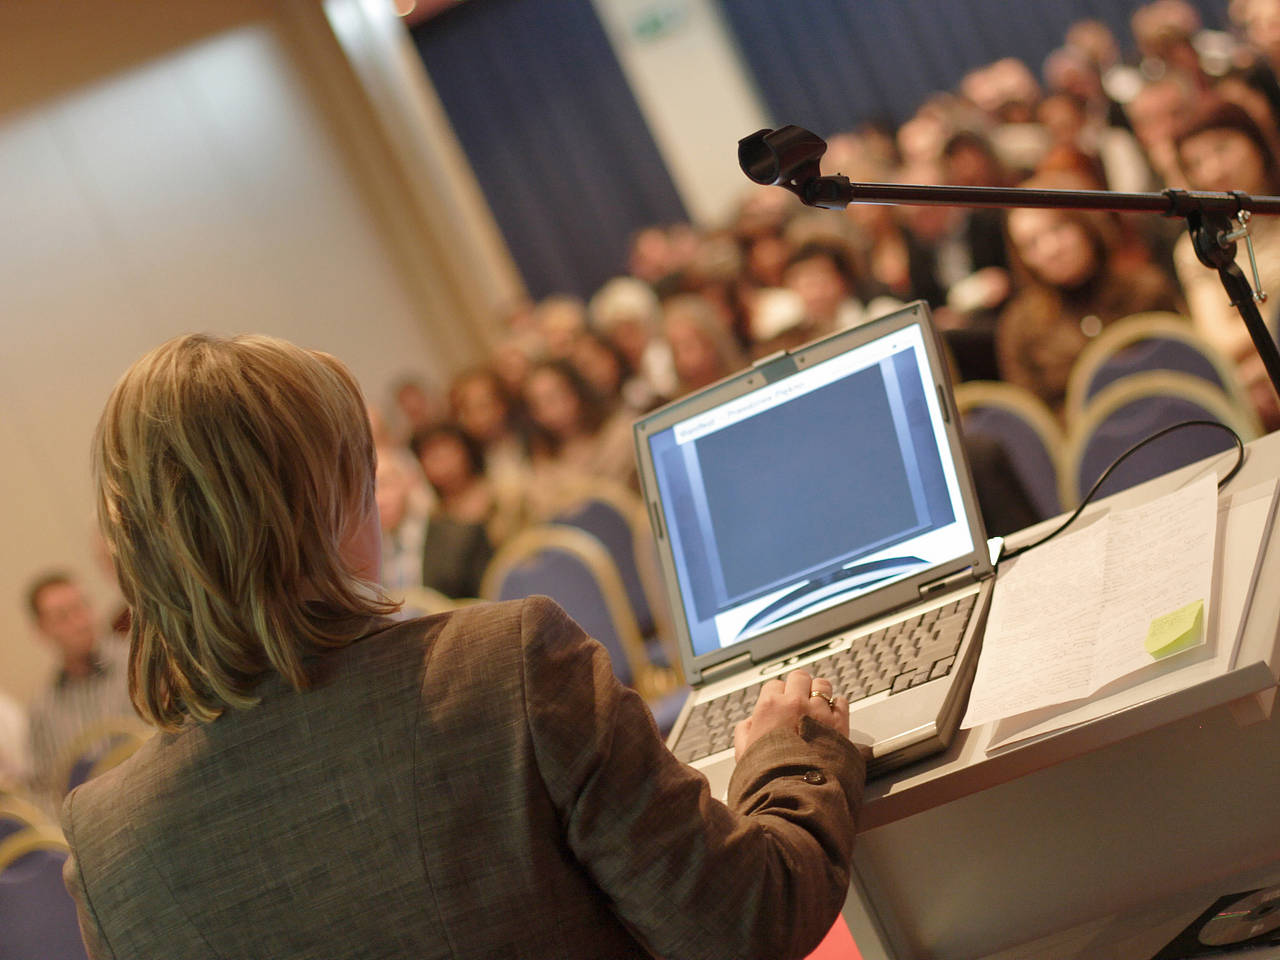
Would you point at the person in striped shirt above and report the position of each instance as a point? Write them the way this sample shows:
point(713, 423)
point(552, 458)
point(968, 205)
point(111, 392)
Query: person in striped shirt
point(91, 685)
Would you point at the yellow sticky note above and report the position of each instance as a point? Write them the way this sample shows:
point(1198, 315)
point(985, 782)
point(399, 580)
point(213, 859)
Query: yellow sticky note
point(1176, 631)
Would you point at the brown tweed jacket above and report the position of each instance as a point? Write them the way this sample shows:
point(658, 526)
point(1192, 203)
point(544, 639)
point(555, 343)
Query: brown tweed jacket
point(475, 785)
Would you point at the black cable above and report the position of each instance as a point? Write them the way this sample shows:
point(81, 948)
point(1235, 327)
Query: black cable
point(1120, 459)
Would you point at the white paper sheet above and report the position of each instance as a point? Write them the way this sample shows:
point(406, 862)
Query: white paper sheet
point(1071, 616)
point(1244, 524)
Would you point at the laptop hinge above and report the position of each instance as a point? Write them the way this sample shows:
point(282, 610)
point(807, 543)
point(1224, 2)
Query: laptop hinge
point(712, 674)
point(943, 584)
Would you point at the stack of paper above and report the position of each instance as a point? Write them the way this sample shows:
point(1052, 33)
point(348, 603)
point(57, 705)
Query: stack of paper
point(1075, 614)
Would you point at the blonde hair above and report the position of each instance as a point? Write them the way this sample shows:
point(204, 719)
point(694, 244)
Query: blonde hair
point(229, 473)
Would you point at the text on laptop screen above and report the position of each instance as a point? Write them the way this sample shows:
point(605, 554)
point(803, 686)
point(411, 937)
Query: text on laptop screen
point(809, 491)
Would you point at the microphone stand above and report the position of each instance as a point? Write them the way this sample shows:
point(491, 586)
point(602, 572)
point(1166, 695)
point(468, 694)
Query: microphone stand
point(788, 157)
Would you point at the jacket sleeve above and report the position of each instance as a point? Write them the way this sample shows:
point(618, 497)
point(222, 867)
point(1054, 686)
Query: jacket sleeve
point(693, 878)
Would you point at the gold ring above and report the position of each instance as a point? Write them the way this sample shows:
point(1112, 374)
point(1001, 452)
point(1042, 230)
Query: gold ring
point(831, 701)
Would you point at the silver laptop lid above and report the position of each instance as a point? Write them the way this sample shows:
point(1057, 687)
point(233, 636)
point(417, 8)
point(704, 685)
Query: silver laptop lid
point(818, 489)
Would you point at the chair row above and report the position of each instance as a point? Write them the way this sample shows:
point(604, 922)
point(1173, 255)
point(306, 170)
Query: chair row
point(1138, 376)
point(596, 558)
point(1146, 343)
point(1058, 468)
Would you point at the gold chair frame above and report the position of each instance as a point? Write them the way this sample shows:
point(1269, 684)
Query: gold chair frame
point(15, 807)
point(1151, 325)
point(632, 508)
point(649, 680)
point(27, 841)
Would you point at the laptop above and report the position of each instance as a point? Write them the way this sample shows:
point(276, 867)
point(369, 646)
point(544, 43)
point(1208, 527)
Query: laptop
point(816, 510)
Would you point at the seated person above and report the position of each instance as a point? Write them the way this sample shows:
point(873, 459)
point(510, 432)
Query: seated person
point(822, 273)
point(573, 436)
point(402, 515)
point(91, 685)
point(1072, 277)
point(607, 372)
point(469, 518)
point(330, 783)
point(702, 349)
point(486, 411)
point(626, 312)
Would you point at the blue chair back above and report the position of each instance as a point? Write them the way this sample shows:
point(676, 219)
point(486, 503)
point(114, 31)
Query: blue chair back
point(1135, 409)
point(1148, 343)
point(1154, 354)
point(81, 769)
point(603, 521)
point(1031, 459)
point(37, 915)
point(571, 567)
point(18, 814)
point(567, 580)
point(1026, 431)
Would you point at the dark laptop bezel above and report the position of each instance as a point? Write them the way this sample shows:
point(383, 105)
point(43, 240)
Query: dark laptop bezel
point(975, 565)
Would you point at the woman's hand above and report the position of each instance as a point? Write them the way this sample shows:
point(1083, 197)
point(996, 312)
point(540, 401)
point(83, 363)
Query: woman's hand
point(783, 703)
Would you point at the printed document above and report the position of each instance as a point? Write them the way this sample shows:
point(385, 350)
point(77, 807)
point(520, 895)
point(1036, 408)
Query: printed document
point(1072, 615)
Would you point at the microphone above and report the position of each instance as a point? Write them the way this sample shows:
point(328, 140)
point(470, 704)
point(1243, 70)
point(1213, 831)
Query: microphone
point(788, 157)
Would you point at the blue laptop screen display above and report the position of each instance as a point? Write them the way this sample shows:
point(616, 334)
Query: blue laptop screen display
point(808, 492)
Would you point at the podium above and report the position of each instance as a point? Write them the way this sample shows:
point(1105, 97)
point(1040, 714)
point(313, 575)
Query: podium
point(1102, 840)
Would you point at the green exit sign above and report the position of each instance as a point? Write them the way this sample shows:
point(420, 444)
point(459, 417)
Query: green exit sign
point(657, 21)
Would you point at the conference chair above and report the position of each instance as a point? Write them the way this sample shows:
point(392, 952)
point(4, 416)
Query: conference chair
point(1136, 407)
point(18, 814)
point(1027, 431)
point(573, 568)
point(1144, 343)
point(37, 915)
point(616, 517)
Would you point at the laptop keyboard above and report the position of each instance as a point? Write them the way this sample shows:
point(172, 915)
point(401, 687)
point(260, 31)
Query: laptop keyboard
point(896, 658)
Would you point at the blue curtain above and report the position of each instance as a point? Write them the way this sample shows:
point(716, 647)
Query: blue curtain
point(830, 65)
point(540, 105)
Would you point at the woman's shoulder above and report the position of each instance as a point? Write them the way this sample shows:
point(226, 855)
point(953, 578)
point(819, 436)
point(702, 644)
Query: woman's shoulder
point(475, 624)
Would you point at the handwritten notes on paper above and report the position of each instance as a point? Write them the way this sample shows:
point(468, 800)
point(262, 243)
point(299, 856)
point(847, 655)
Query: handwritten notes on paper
point(1074, 614)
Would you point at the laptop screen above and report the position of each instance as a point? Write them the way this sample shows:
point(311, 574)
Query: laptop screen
point(811, 489)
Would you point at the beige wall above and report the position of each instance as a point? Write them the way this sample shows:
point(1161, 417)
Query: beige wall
point(169, 167)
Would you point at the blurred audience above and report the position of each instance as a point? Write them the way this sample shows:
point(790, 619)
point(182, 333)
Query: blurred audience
point(419, 406)
point(1016, 297)
point(628, 313)
point(702, 350)
point(558, 320)
point(487, 412)
point(573, 435)
point(1070, 282)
